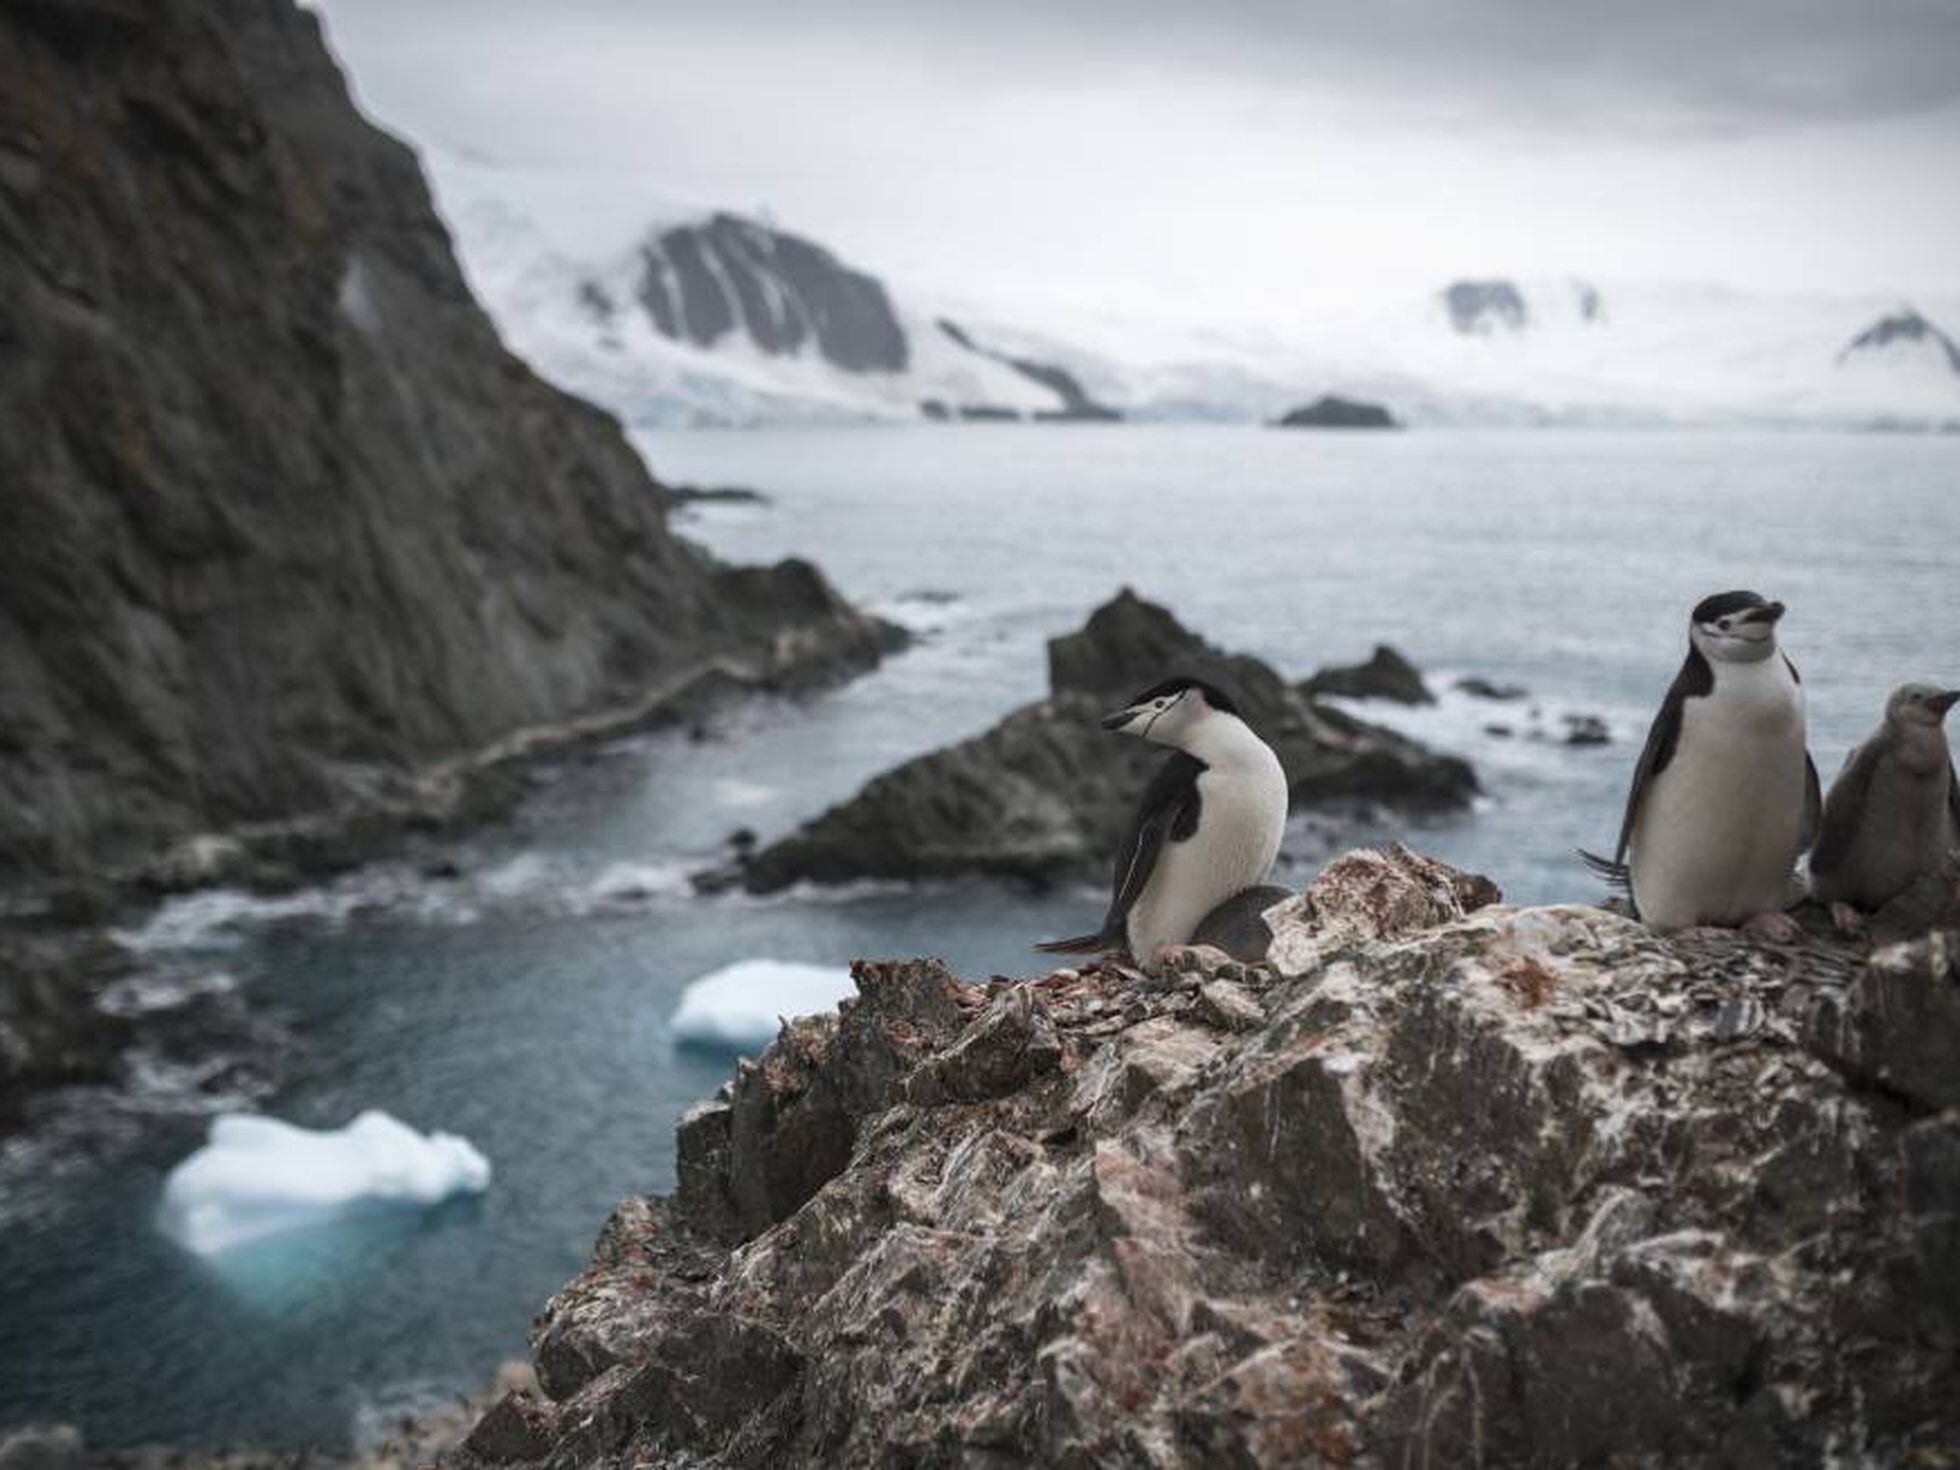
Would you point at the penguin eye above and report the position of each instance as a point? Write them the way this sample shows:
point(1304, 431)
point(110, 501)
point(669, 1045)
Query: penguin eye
point(1723, 625)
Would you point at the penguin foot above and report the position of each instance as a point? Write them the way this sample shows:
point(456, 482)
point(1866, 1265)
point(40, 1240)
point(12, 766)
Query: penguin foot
point(1187, 959)
point(1846, 919)
point(1773, 925)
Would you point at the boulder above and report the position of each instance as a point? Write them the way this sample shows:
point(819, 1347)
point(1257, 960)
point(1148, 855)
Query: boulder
point(1441, 1182)
point(1385, 675)
point(1046, 793)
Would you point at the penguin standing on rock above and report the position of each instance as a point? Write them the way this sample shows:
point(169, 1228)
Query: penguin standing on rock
point(1209, 825)
point(1724, 797)
point(1893, 814)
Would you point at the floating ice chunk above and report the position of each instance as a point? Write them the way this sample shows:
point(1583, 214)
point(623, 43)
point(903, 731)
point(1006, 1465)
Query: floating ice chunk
point(739, 1007)
point(258, 1176)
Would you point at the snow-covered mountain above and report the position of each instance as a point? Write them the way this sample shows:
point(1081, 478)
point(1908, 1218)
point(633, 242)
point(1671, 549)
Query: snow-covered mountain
point(706, 316)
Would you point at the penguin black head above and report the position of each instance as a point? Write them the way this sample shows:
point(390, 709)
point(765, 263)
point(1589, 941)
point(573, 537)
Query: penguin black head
point(1735, 627)
point(1169, 712)
point(1920, 704)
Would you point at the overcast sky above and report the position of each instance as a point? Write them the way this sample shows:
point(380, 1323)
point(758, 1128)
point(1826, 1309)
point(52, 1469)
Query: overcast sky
point(1213, 157)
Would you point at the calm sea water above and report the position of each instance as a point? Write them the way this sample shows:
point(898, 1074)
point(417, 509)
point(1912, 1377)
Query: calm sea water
point(523, 1002)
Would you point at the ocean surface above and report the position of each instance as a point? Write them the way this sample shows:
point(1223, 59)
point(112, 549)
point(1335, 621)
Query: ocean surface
point(516, 988)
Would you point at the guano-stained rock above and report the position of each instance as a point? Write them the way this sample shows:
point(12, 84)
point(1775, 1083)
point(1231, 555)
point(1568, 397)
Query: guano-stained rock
point(1479, 1185)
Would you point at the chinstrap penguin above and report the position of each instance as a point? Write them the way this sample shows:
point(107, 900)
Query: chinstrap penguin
point(1724, 797)
point(1893, 813)
point(1209, 824)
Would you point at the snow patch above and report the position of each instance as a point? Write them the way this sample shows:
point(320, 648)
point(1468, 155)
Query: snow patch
point(741, 1006)
point(258, 1176)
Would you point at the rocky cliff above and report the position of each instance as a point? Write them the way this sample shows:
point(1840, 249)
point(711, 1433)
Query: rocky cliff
point(1047, 792)
point(282, 524)
point(1440, 1182)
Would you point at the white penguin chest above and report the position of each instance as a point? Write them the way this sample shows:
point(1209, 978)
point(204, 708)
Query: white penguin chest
point(1719, 829)
point(1241, 819)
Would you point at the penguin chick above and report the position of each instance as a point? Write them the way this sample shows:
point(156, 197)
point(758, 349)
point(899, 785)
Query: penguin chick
point(1893, 814)
point(1209, 824)
point(1724, 796)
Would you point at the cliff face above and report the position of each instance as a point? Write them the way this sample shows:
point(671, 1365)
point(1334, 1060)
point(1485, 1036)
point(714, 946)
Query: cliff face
point(1441, 1182)
point(280, 519)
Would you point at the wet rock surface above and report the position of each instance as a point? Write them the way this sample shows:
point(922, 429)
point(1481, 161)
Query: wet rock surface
point(1386, 674)
point(1441, 1182)
point(1047, 792)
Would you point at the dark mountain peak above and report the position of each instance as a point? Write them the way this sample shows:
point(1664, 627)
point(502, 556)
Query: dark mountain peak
point(1331, 412)
point(701, 281)
point(1479, 308)
point(1076, 401)
point(1903, 325)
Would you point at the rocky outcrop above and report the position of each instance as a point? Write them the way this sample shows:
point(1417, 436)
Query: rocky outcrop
point(1481, 308)
point(1047, 792)
point(1386, 674)
point(1330, 412)
point(1440, 1182)
point(701, 282)
point(284, 530)
point(1077, 404)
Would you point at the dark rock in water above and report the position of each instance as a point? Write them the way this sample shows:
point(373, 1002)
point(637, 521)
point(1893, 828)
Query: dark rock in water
point(1386, 675)
point(988, 413)
point(51, 1029)
point(287, 530)
point(1584, 729)
point(1330, 412)
point(935, 409)
point(1047, 792)
point(1478, 687)
point(683, 495)
point(1399, 1195)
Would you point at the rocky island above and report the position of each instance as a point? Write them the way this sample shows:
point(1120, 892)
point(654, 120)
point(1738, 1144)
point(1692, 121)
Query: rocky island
point(1046, 793)
point(1330, 412)
point(1439, 1182)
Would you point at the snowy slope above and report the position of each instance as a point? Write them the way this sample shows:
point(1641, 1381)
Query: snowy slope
point(698, 316)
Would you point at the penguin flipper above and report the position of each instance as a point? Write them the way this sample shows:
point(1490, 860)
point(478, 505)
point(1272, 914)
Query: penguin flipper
point(1695, 680)
point(1813, 804)
point(1167, 813)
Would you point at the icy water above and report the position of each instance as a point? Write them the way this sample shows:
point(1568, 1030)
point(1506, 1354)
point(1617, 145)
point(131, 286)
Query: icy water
point(524, 1001)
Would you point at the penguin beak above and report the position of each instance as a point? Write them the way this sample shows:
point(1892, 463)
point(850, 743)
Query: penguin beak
point(1119, 718)
point(1769, 612)
point(1941, 703)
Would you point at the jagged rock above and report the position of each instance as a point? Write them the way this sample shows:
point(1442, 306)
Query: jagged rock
point(1422, 1210)
point(1047, 792)
point(1386, 675)
point(1898, 1024)
point(1331, 412)
point(286, 527)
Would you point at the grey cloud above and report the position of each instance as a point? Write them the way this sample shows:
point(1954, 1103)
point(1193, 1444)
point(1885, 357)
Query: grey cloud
point(1643, 65)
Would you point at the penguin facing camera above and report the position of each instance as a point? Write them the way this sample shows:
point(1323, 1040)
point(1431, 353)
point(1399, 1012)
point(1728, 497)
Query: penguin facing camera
point(1724, 797)
point(1893, 814)
point(1208, 826)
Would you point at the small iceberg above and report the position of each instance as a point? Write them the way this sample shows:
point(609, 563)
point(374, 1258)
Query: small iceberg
point(257, 1176)
point(740, 1006)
